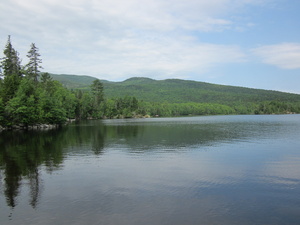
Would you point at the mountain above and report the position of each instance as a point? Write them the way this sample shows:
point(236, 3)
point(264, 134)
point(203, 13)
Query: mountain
point(75, 81)
point(178, 91)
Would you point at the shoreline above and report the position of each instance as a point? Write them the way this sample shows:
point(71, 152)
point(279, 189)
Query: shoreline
point(36, 126)
point(54, 126)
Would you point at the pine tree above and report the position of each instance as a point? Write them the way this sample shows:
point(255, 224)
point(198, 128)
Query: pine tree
point(33, 66)
point(97, 93)
point(11, 71)
point(45, 77)
point(97, 90)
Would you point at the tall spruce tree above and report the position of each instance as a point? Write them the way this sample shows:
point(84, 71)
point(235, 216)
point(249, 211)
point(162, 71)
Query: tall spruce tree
point(97, 93)
point(11, 71)
point(33, 66)
point(97, 90)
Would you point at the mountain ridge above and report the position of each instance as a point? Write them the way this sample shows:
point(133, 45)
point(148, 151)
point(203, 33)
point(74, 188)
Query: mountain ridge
point(177, 90)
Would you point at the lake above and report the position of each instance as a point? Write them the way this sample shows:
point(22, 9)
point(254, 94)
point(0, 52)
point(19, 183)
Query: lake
point(231, 170)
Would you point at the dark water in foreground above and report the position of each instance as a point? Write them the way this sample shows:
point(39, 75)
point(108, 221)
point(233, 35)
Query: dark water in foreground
point(196, 170)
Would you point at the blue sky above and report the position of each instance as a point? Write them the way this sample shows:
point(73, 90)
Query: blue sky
point(249, 43)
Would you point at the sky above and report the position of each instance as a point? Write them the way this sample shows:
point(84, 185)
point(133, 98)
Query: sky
point(248, 43)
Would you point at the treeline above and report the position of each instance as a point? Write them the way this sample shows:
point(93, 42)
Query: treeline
point(194, 109)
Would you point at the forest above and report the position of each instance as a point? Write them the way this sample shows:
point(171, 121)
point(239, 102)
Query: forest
point(31, 98)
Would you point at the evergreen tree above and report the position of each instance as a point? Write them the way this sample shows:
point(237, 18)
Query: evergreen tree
point(97, 93)
point(2, 118)
point(45, 77)
point(11, 72)
point(33, 66)
point(10, 63)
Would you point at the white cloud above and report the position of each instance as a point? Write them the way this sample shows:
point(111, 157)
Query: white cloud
point(285, 55)
point(160, 59)
point(119, 38)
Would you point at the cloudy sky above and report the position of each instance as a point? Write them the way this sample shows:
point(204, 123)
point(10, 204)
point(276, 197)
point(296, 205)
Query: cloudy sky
point(249, 43)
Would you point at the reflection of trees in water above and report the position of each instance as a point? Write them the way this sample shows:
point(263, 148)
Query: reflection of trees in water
point(23, 153)
point(142, 139)
point(21, 156)
point(13, 180)
point(90, 133)
point(98, 143)
point(35, 187)
point(177, 135)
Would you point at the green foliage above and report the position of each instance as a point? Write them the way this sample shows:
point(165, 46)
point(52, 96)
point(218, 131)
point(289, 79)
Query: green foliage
point(45, 78)
point(276, 107)
point(10, 86)
point(58, 103)
point(84, 106)
point(183, 109)
point(2, 120)
point(24, 108)
point(48, 102)
point(126, 107)
point(33, 66)
point(97, 98)
point(153, 96)
point(11, 66)
point(10, 62)
point(26, 101)
point(183, 91)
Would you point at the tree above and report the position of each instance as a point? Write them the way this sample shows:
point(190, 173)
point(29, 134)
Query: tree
point(45, 78)
point(97, 93)
point(26, 101)
point(10, 63)
point(57, 102)
point(33, 66)
point(25, 107)
point(1, 112)
point(11, 72)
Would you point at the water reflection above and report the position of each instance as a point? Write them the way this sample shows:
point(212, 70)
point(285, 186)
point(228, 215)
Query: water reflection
point(20, 157)
point(178, 133)
point(24, 152)
point(122, 183)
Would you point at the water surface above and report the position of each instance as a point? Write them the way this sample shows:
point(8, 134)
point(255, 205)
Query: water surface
point(193, 170)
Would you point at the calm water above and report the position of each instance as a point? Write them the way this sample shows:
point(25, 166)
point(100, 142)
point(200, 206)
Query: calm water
point(196, 170)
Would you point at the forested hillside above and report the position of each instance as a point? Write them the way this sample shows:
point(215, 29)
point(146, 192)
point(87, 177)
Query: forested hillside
point(177, 91)
point(183, 97)
point(183, 91)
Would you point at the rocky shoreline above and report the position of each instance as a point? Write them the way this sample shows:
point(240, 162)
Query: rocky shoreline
point(35, 126)
point(32, 127)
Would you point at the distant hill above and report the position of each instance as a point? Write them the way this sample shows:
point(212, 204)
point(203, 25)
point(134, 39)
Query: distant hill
point(178, 91)
point(75, 81)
